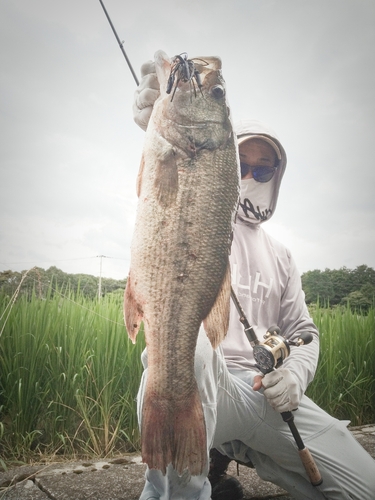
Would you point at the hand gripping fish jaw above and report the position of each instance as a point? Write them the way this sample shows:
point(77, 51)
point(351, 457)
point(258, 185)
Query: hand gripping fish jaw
point(270, 355)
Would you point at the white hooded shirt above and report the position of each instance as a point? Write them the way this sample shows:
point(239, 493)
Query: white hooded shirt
point(268, 286)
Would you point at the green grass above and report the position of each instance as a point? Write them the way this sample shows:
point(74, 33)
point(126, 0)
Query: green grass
point(344, 384)
point(68, 378)
point(69, 375)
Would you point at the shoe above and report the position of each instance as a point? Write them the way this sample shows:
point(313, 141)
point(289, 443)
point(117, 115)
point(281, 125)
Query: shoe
point(224, 487)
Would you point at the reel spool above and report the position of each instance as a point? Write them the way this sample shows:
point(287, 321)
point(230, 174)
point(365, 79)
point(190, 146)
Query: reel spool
point(271, 353)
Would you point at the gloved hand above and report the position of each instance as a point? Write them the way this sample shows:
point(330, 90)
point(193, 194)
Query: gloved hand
point(281, 390)
point(146, 94)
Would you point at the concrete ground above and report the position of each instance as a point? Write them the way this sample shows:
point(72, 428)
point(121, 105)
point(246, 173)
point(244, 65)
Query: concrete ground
point(122, 478)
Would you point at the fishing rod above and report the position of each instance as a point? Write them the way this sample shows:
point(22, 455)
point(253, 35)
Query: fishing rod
point(121, 44)
point(270, 355)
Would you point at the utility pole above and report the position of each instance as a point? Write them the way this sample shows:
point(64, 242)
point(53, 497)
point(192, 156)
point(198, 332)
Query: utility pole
point(100, 276)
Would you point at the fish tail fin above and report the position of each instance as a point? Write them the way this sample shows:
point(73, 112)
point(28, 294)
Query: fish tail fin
point(133, 313)
point(190, 438)
point(174, 433)
point(156, 435)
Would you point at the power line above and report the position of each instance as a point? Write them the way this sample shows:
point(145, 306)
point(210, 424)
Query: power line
point(61, 260)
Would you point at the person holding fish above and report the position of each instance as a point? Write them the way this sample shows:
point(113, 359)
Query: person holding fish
point(241, 406)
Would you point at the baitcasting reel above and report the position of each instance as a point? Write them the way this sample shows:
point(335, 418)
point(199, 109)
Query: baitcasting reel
point(271, 353)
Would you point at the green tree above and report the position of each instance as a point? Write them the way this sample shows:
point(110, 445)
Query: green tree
point(357, 301)
point(317, 285)
point(342, 284)
point(363, 275)
point(40, 282)
point(337, 286)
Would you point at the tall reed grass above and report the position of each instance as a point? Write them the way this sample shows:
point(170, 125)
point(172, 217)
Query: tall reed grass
point(344, 384)
point(68, 377)
point(69, 374)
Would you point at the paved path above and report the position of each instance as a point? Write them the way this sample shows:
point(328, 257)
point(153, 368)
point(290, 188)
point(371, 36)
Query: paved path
point(122, 478)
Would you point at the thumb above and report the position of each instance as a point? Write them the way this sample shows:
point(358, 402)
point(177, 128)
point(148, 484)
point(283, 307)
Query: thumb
point(257, 382)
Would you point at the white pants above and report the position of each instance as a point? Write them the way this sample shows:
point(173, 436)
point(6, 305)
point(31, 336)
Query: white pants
point(241, 424)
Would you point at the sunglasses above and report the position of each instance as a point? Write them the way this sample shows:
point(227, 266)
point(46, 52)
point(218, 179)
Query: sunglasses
point(260, 173)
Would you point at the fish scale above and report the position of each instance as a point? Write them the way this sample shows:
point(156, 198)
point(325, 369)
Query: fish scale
point(179, 276)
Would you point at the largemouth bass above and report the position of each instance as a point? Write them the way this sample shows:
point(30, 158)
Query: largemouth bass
point(188, 187)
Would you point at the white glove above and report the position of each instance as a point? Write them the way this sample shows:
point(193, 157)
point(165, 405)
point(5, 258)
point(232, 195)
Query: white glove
point(281, 390)
point(146, 94)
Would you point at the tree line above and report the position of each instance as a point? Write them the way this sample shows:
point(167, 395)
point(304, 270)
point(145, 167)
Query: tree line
point(336, 287)
point(47, 282)
point(331, 287)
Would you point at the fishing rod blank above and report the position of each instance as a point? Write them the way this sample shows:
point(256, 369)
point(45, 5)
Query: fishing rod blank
point(121, 44)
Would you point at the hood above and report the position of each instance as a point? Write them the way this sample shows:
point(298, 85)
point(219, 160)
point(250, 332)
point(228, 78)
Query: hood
point(246, 128)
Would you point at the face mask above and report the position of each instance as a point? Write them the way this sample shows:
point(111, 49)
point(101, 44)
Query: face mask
point(255, 201)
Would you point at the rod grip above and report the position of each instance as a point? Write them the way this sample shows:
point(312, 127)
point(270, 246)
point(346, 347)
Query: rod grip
point(310, 467)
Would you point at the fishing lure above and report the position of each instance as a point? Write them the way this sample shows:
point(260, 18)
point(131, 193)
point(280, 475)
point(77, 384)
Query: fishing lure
point(183, 69)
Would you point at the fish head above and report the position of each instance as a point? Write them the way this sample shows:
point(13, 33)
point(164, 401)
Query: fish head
point(197, 106)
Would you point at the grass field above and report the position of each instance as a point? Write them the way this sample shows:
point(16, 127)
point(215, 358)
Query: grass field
point(68, 377)
point(344, 384)
point(69, 374)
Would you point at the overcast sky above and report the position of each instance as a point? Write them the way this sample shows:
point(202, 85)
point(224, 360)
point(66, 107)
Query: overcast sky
point(70, 151)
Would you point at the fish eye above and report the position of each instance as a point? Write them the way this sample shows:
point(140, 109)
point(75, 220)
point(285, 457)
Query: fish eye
point(217, 91)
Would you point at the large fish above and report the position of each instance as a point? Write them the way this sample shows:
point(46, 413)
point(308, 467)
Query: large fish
point(179, 276)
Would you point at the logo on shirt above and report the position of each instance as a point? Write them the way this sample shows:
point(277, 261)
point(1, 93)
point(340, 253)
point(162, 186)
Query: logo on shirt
point(252, 288)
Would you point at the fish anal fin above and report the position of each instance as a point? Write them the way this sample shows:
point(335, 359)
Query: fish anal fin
point(217, 321)
point(133, 313)
point(174, 432)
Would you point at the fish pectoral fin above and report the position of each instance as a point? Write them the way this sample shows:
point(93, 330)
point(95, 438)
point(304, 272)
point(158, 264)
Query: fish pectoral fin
point(166, 177)
point(174, 432)
point(133, 313)
point(217, 321)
